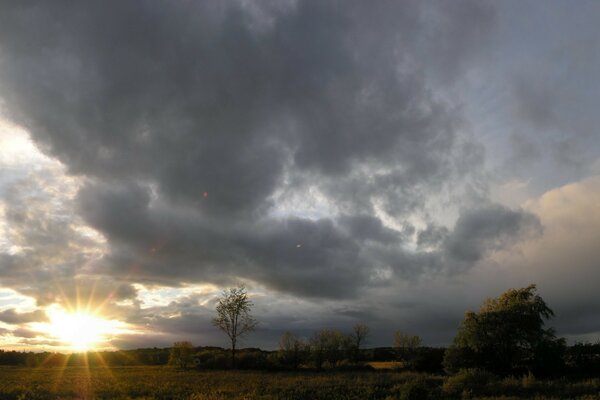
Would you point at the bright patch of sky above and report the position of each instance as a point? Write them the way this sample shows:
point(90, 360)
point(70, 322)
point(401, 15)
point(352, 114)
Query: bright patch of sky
point(12, 299)
point(162, 296)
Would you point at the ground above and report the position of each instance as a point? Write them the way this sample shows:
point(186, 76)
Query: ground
point(170, 383)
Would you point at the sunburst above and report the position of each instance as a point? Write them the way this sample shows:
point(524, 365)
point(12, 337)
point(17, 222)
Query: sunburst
point(80, 330)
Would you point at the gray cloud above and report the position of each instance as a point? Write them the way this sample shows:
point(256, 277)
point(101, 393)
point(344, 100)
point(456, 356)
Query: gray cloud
point(190, 121)
point(198, 106)
point(24, 333)
point(547, 88)
point(308, 148)
point(52, 251)
point(492, 227)
point(13, 317)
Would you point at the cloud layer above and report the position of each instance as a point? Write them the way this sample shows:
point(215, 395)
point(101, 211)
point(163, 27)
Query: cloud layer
point(316, 150)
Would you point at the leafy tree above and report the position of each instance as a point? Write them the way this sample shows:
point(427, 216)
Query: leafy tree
point(233, 316)
point(291, 350)
point(506, 336)
point(181, 354)
point(359, 336)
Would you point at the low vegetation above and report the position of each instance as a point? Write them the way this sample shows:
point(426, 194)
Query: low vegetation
point(164, 382)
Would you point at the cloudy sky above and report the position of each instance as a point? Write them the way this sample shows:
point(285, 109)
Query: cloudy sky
point(391, 163)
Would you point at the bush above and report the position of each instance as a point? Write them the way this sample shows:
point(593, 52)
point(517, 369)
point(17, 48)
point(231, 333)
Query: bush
point(427, 359)
point(252, 360)
point(458, 358)
point(415, 390)
point(212, 359)
point(412, 387)
point(473, 381)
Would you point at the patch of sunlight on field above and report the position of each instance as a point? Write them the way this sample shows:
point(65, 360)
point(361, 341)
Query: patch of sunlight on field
point(386, 364)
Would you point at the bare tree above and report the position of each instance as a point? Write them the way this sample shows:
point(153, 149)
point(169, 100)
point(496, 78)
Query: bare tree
point(359, 335)
point(291, 350)
point(405, 341)
point(406, 345)
point(233, 316)
point(328, 346)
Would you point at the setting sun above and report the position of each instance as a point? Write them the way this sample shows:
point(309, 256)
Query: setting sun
point(81, 331)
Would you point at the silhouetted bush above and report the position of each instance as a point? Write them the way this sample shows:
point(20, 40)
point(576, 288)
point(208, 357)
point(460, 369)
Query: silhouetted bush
point(427, 359)
point(583, 359)
point(548, 359)
point(212, 359)
point(380, 354)
point(252, 359)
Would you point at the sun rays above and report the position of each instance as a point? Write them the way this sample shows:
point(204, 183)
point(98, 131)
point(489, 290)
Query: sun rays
point(83, 318)
point(81, 330)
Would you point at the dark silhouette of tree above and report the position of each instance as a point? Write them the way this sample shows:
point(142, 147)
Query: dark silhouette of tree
point(328, 345)
point(406, 346)
point(233, 316)
point(359, 336)
point(181, 354)
point(506, 336)
point(292, 350)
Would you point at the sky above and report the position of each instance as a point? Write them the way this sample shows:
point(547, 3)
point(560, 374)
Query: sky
point(390, 163)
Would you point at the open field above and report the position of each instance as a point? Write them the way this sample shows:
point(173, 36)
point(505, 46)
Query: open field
point(169, 383)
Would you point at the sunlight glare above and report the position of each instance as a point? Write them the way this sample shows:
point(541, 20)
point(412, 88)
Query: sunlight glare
point(80, 330)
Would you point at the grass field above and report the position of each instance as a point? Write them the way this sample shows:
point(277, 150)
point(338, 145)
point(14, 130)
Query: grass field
point(169, 383)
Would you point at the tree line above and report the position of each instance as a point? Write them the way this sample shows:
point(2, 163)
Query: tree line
point(506, 336)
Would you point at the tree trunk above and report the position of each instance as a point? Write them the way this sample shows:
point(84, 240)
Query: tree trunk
point(233, 355)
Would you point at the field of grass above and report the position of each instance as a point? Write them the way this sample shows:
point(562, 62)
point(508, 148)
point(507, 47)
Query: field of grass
point(169, 383)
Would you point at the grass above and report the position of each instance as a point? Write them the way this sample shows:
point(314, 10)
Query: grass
point(169, 383)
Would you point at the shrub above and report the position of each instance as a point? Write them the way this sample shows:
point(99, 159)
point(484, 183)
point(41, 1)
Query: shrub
point(415, 390)
point(252, 360)
point(212, 359)
point(427, 359)
point(473, 381)
point(458, 358)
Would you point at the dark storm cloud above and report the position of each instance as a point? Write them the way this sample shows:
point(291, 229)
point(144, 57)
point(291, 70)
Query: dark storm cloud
point(188, 118)
point(11, 316)
point(577, 318)
point(486, 228)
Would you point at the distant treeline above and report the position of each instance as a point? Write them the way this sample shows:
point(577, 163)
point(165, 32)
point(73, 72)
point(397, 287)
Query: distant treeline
point(210, 356)
point(582, 359)
point(506, 337)
point(152, 356)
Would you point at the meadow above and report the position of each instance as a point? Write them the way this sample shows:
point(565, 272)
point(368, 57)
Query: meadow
point(163, 382)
